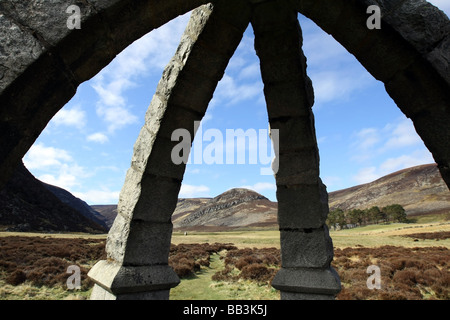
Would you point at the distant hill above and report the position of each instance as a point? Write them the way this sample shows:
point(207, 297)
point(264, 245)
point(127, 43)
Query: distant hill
point(26, 204)
point(420, 190)
point(78, 204)
point(232, 209)
point(107, 212)
point(235, 208)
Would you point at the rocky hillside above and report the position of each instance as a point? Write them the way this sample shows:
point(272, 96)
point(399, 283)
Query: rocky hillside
point(184, 207)
point(231, 209)
point(420, 190)
point(107, 212)
point(26, 204)
point(78, 204)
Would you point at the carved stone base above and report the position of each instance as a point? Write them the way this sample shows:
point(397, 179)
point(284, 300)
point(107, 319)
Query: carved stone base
point(285, 295)
point(117, 282)
point(307, 283)
point(99, 293)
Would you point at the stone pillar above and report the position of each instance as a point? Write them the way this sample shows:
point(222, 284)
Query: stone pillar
point(306, 248)
point(139, 241)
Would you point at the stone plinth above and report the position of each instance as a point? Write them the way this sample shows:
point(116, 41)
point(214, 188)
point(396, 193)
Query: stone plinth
point(118, 282)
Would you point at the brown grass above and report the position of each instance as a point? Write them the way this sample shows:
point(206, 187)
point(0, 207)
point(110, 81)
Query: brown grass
point(186, 259)
point(44, 261)
point(406, 273)
point(257, 264)
point(440, 235)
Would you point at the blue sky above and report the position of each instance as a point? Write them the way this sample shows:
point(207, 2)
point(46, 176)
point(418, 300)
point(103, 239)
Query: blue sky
point(362, 135)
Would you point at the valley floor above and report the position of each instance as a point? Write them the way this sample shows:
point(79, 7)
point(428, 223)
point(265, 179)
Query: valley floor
point(414, 258)
point(394, 234)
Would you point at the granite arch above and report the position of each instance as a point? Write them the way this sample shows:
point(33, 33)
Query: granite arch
point(44, 62)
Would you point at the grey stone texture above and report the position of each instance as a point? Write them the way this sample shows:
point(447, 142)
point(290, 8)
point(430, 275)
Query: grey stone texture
point(117, 282)
point(302, 206)
point(308, 281)
point(306, 248)
point(42, 62)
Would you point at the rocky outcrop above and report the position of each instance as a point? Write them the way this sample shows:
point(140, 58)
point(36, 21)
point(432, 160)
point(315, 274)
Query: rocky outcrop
point(420, 190)
point(232, 209)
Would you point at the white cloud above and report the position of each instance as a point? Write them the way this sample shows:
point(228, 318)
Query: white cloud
point(97, 137)
point(66, 176)
point(74, 117)
point(207, 117)
point(191, 191)
point(418, 157)
point(321, 49)
point(54, 166)
point(340, 84)
point(242, 79)
point(117, 117)
point(401, 134)
point(371, 142)
point(261, 187)
point(99, 197)
point(244, 55)
point(40, 156)
point(366, 175)
point(152, 52)
point(321, 140)
point(394, 147)
point(367, 138)
point(231, 91)
point(57, 167)
point(391, 165)
point(111, 93)
point(365, 145)
point(335, 73)
point(331, 181)
point(193, 171)
point(251, 71)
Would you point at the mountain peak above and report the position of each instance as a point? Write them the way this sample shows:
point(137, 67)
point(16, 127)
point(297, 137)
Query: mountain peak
point(239, 193)
point(237, 206)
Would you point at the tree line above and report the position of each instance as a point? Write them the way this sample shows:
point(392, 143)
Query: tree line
point(340, 219)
